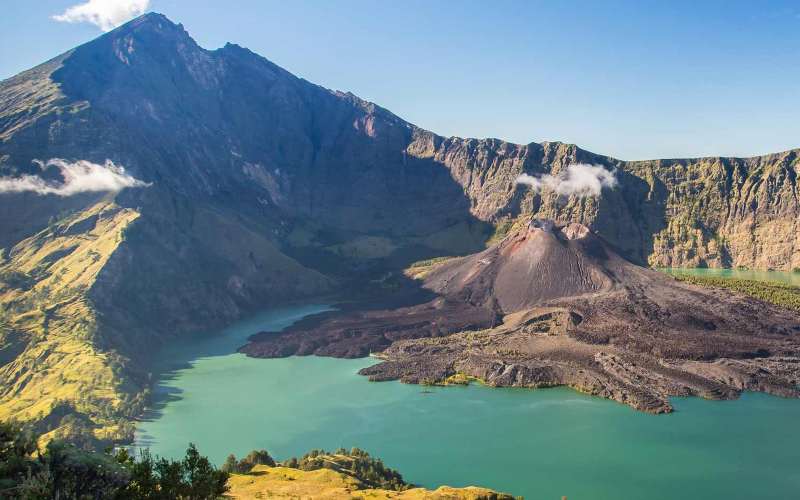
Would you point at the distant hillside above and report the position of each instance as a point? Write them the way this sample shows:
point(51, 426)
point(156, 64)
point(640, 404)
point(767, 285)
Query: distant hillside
point(264, 188)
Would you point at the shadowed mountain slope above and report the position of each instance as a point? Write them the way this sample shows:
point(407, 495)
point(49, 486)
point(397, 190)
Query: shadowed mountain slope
point(261, 188)
point(265, 188)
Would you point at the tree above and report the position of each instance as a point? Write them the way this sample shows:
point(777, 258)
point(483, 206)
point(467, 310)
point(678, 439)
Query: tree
point(231, 464)
point(246, 464)
point(16, 447)
point(259, 457)
point(204, 481)
point(63, 470)
point(76, 473)
point(143, 485)
point(170, 478)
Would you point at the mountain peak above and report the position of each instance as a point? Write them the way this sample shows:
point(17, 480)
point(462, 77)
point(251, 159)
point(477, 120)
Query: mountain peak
point(149, 19)
point(153, 27)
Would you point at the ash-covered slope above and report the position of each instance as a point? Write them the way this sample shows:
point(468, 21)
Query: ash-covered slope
point(561, 307)
point(525, 269)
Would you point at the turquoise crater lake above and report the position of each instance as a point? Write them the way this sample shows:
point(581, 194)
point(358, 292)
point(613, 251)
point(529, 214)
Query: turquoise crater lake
point(539, 443)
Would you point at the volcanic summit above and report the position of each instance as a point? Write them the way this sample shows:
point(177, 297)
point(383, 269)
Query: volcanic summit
point(554, 304)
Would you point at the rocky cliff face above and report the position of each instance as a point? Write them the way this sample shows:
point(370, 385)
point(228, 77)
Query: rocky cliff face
point(726, 212)
point(229, 128)
point(715, 212)
point(264, 187)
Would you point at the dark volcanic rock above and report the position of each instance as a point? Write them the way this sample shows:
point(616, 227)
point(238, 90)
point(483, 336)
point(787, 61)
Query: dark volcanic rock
point(575, 313)
point(359, 334)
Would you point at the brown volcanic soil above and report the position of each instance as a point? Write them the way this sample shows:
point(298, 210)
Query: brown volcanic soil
point(555, 305)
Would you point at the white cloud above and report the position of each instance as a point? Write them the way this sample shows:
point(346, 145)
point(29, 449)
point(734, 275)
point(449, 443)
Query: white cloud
point(577, 179)
point(105, 14)
point(79, 177)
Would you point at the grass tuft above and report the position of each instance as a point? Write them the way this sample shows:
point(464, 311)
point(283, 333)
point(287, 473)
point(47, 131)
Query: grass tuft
point(780, 294)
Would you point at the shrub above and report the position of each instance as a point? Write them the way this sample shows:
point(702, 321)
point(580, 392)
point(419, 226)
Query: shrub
point(356, 463)
point(64, 471)
point(159, 478)
point(243, 466)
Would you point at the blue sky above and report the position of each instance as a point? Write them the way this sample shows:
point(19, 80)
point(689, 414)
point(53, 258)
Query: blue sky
point(631, 79)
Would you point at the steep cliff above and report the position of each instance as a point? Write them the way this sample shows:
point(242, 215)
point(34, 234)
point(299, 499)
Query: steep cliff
point(714, 212)
point(257, 187)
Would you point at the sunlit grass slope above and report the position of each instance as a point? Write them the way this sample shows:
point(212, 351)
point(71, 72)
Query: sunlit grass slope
point(54, 371)
point(284, 482)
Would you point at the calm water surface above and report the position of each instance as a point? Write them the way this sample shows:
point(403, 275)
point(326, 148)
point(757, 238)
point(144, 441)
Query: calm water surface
point(537, 443)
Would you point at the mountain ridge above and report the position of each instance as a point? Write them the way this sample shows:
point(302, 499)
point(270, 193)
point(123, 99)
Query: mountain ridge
point(475, 155)
point(266, 188)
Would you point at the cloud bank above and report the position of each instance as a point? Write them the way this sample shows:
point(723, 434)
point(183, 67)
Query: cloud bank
point(79, 177)
point(105, 14)
point(577, 179)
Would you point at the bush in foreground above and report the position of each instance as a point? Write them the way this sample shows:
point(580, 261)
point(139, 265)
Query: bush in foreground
point(243, 466)
point(62, 470)
point(356, 463)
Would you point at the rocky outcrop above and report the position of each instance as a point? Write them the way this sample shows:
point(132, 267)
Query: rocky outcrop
point(573, 313)
point(704, 212)
point(726, 212)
